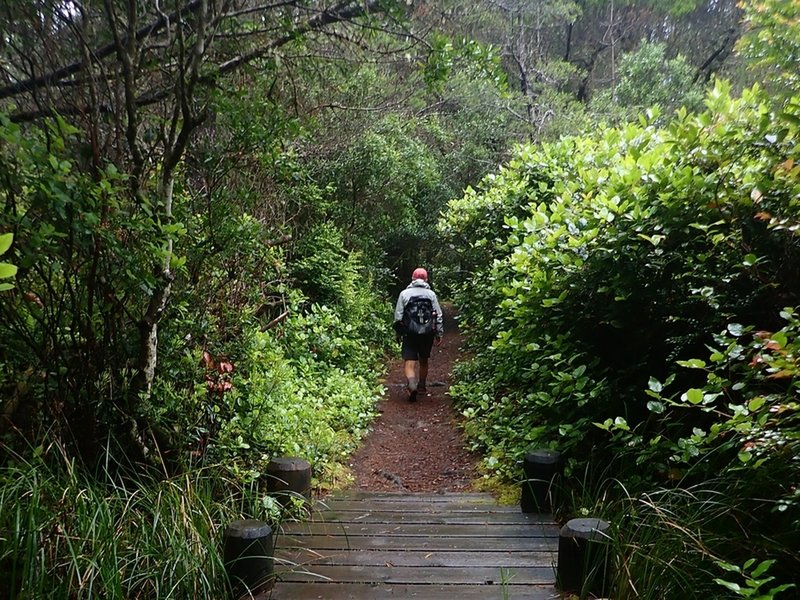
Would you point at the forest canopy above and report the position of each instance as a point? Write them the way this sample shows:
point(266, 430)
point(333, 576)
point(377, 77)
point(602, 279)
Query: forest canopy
point(208, 204)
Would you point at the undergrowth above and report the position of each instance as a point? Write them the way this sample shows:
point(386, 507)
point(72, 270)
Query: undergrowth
point(65, 533)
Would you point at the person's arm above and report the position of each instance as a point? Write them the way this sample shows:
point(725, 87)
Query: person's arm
point(399, 308)
point(439, 317)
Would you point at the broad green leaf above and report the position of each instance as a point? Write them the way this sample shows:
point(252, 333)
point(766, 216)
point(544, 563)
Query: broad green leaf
point(5, 242)
point(621, 423)
point(655, 385)
point(694, 363)
point(734, 587)
point(7, 270)
point(776, 590)
point(728, 566)
point(745, 456)
point(762, 568)
point(780, 339)
point(736, 329)
point(693, 395)
point(6, 286)
point(756, 403)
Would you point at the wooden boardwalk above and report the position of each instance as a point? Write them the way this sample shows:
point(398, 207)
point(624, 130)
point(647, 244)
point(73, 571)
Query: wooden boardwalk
point(430, 546)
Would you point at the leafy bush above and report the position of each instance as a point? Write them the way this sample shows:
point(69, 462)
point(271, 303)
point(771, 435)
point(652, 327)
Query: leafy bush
point(620, 254)
point(300, 380)
point(637, 245)
point(306, 389)
point(648, 78)
point(84, 258)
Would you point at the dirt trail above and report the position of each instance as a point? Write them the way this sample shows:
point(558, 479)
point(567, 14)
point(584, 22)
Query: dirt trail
point(418, 447)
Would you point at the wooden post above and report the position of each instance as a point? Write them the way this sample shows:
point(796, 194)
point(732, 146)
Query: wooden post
point(248, 555)
point(540, 469)
point(287, 477)
point(584, 557)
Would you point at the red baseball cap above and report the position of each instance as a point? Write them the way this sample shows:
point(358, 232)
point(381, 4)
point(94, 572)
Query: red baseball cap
point(420, 273)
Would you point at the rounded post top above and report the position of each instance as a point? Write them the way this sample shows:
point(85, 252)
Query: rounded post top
point(248, 529)
point(288, 463)
point(588, 529)
point(543, 456)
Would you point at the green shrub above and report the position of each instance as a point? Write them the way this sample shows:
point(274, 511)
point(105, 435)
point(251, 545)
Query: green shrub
point(638, 245)
point(620, 254)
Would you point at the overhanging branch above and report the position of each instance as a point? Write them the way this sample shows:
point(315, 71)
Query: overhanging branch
point(341, 13)
point(52, 78)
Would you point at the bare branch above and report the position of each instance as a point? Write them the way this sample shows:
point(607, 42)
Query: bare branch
point(34, 83)
point(327, 17)
point(280, 318)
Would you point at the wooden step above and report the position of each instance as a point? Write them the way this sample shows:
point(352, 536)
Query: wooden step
point(361, 545)
point(379, 591)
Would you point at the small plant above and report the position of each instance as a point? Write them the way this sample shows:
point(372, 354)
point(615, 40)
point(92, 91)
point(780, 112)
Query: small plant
point(755, 579)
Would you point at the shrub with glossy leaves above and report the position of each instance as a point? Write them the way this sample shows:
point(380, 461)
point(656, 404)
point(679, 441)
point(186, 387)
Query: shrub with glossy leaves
point(637, 244)
point(636, 247)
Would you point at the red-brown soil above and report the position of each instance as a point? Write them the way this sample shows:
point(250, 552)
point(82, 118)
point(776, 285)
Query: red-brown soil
point(418, 446)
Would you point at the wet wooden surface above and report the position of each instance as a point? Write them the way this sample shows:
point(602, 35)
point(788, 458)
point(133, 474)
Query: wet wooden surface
point(363, 546)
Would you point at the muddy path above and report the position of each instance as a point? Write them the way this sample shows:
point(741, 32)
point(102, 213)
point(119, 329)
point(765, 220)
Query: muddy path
point(417, 447)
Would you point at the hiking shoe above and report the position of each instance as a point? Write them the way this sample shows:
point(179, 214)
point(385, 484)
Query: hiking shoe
point(422, 388)
point(412, 390)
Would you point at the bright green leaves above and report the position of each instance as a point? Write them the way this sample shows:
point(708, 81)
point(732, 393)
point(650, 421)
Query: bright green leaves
point(754, 582)
point(693, 396)
point(477, 61)
point(5, 242)
point(694, 363)
point(648, 77)
point(772, 42)
point(7, 271)
point(750, 260)
point(634, 246)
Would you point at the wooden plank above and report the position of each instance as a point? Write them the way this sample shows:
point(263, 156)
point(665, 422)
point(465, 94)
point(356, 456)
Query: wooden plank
point(495, 559)
point(365, 546)
point(415, 575)
point(476, 497)
point(422, 530)
point(408, 506)
point(462, 544)
point(323, 591)
point(447, 518)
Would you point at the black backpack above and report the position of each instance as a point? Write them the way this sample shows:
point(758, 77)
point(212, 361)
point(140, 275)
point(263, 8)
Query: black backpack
point(418, 316)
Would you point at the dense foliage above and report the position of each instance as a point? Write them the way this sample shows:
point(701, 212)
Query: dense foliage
point(622, 256)
point(205, 203)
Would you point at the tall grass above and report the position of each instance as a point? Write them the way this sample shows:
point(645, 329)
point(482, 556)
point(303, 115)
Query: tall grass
point(671, 543)
point(67, 534)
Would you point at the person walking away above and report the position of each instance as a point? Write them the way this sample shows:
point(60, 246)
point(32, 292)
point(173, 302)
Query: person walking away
point(419, 320)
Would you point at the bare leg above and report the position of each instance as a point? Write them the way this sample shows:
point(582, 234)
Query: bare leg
point(409, 366)
point(423, 371)
point(411, 376)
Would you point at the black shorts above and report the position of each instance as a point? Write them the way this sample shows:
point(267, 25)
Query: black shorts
point(416, 347)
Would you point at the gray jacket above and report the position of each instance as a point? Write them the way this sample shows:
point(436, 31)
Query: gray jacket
point(419, 288)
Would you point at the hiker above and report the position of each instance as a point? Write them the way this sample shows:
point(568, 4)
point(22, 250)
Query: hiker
point(418, 319)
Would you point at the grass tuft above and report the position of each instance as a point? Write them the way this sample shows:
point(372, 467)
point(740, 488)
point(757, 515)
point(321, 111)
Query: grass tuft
point(67, 534)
